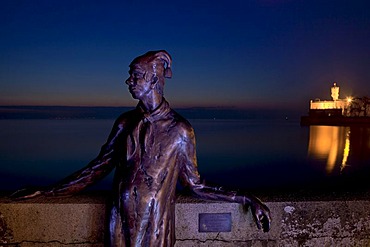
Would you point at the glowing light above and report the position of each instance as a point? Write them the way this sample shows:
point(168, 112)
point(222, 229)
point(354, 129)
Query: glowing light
point(349, 99)
point(346, 149)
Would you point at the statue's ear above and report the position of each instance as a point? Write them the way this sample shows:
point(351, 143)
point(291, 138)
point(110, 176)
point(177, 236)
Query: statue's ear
point(154, 81)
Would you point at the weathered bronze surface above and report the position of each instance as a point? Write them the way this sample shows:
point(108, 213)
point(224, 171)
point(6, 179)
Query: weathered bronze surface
point(151, 147)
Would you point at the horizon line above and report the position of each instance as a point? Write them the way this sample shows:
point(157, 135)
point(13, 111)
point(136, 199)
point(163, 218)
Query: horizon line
point(174, 107)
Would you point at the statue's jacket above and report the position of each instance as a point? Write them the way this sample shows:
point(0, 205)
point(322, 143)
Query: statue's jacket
point(150, 151)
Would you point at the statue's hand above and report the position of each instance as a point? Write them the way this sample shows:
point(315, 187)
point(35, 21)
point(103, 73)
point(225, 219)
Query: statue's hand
point(261, 214)
point(27, 193)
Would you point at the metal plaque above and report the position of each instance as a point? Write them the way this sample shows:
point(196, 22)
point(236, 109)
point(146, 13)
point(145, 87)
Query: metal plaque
point(215, 222)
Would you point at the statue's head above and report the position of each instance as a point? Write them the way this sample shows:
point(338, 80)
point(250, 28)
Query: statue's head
point(154, 66)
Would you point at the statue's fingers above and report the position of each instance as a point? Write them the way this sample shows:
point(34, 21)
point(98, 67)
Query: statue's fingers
point(258, 221)
point(18, 194)
point(36, 193)
point(24, 194)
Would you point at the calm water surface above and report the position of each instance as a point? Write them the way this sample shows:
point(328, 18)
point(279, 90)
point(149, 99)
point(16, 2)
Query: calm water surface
point(245, 154)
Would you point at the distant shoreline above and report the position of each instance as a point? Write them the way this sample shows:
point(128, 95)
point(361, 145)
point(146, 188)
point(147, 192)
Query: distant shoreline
point(107, 112)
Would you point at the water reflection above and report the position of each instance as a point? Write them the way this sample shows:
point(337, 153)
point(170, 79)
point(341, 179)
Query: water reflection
point(230, 153)
point(346, 149)
point(339, 147)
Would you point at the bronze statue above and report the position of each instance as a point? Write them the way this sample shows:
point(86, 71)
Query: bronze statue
point(151, 147)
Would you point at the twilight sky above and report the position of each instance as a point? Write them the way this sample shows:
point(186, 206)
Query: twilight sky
point(247, 53)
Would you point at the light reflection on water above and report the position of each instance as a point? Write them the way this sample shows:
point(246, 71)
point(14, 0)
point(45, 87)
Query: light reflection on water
point(339, 146)
point(330, 144)
point(245, 154)
point(343, 152)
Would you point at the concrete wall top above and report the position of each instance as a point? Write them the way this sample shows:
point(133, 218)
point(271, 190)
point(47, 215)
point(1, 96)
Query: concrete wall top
point(299, 219)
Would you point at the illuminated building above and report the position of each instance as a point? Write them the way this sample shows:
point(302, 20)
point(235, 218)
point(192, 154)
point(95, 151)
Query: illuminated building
point(340, 112)
point(335, 107)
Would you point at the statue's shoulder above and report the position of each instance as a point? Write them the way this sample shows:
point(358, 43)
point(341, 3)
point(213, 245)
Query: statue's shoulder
point(182, 124)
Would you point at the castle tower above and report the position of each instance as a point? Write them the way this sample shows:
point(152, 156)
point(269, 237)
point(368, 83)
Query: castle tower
point(335, 92)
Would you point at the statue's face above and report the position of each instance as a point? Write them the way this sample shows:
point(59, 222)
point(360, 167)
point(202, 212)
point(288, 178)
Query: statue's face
point(138, 84)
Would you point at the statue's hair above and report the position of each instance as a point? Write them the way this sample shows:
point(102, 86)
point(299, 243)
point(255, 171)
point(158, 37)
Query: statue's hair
point(155, 58)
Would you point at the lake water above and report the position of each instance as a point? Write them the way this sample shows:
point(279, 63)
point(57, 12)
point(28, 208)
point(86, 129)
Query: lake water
point(247, 154)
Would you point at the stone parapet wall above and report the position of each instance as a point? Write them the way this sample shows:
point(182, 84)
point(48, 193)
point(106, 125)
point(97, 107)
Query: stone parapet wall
point(77, 221)
point(81, 221)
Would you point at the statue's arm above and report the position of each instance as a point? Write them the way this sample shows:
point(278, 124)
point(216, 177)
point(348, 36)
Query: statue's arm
point(190, 178)
point(97, 169)
point(74, 183)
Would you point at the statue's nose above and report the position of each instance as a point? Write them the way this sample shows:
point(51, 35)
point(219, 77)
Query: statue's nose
point(129, 81)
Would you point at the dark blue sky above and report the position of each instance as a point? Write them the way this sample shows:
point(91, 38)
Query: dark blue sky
point(244, 53)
